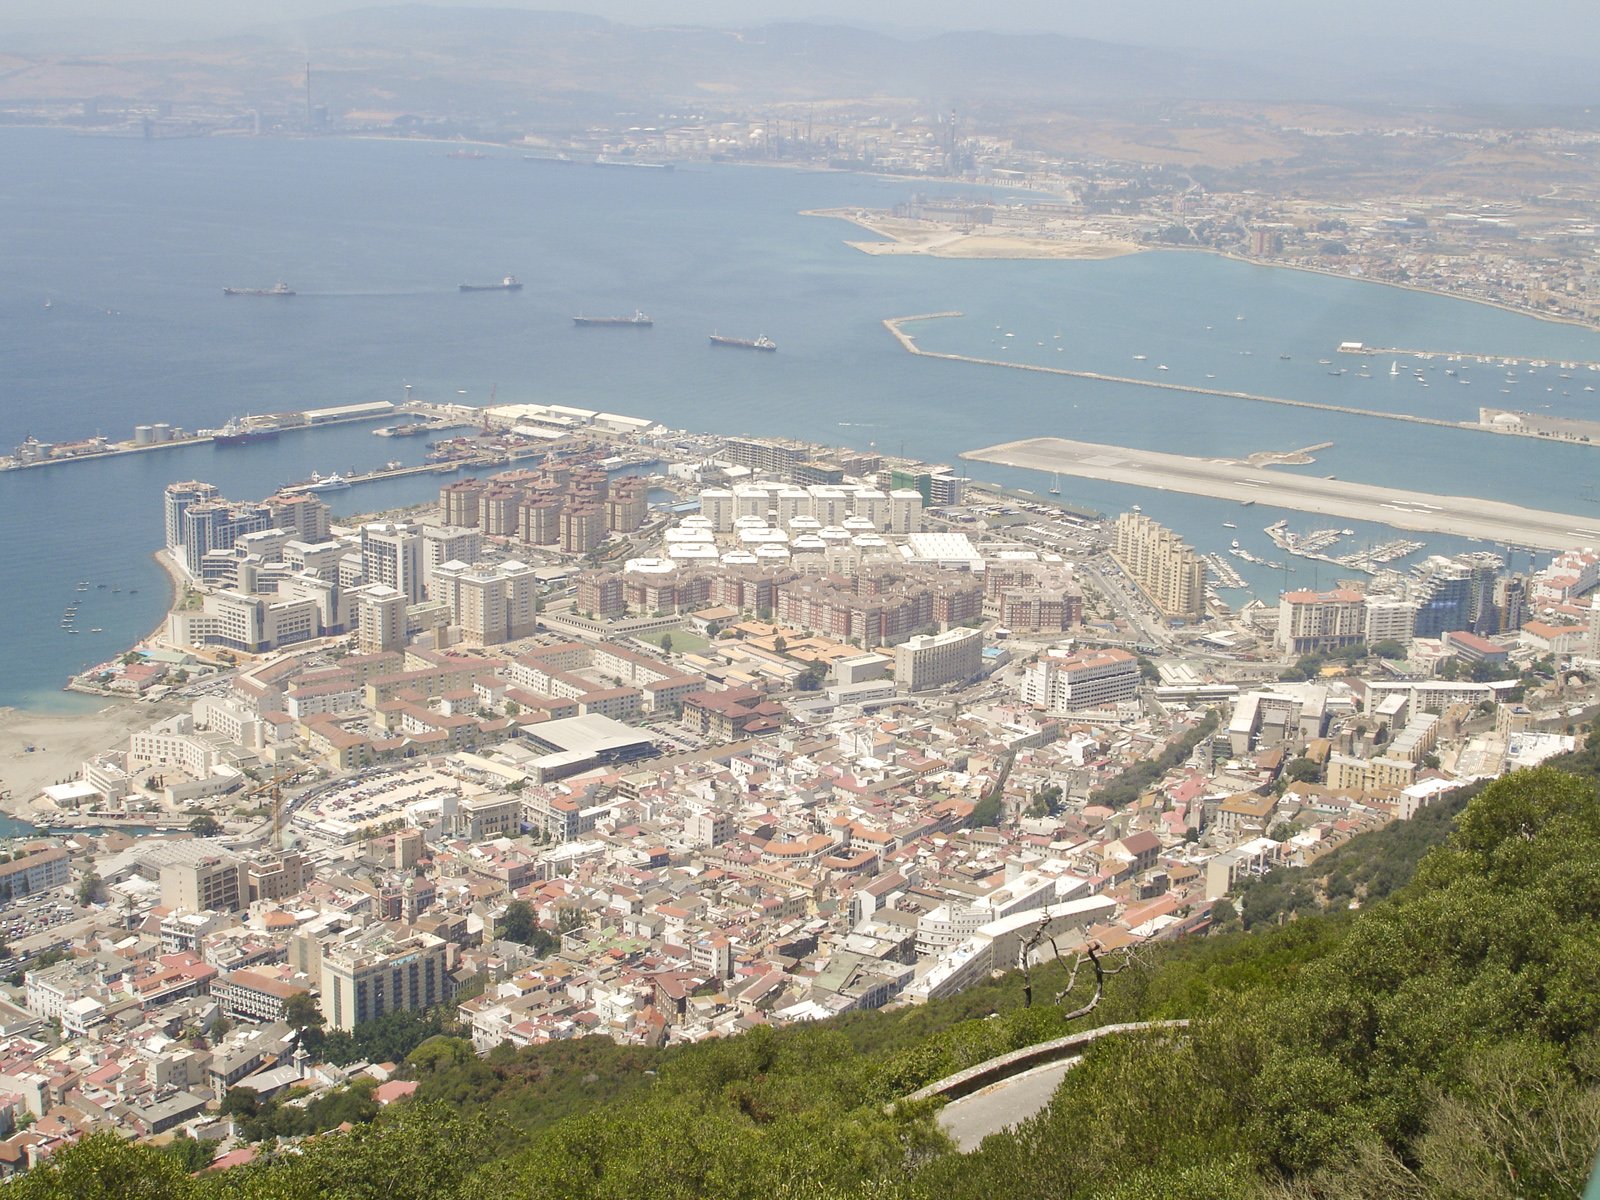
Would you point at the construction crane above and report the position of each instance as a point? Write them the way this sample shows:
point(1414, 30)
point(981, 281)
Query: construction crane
point(273, 787)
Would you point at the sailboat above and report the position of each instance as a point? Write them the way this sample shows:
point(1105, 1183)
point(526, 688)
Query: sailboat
point(1055, 484)
point(1394, 368)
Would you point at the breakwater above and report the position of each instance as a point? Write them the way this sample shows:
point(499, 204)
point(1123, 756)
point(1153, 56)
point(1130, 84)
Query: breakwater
point(895, 325)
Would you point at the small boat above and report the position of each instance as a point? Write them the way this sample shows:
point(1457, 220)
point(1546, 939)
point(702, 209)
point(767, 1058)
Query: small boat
point(96, 629)
point(1229, 525)
point(1140, 357)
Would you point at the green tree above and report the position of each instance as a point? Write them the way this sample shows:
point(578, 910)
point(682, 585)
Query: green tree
point(812, 678)
point(301, 1012)
point(666, 643)
point(240, 1102)
point(519, 923)
point(1302, 770)
point(195, 1155)
point(205, 825)
point(103, 1166)
point(91, 890)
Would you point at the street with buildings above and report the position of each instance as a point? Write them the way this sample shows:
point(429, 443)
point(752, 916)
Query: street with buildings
point(821, 731)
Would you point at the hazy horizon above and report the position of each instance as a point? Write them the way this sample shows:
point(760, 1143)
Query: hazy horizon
point(1564, 28)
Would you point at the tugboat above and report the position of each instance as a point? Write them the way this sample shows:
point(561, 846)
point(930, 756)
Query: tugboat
point(509, 284)
point(277, 289)
point(760, 343)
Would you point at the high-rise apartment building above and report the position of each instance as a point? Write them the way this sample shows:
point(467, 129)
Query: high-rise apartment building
point(933, 660)
point(1161, 565)
point(1090, 679)
point(380, 616)
point(1313, 622)
point(447, 543)
point(391, 554)
point(380, 970)
point(490, 604)
point(179, 496)
point(209, 525)
point(216, 883)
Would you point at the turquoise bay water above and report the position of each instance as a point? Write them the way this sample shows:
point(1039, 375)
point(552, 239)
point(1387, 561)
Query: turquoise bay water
point(132, 242)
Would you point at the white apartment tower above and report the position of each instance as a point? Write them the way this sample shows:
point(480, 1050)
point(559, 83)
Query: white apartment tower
point(391, 554)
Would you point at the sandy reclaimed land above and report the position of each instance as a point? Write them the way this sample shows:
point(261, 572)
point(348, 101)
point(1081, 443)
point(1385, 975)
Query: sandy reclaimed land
point(61, 743)
point(933, 239)
point(1223, 479)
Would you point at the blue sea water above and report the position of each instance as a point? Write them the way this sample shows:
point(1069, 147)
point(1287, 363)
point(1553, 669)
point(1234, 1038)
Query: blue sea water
point(131, 242)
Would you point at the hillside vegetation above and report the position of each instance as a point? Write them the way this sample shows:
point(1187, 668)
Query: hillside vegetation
point(1440, 1042)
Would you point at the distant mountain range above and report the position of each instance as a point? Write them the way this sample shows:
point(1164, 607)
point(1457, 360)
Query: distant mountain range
point(504, 62)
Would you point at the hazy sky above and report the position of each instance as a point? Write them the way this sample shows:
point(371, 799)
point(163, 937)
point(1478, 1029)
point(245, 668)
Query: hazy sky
point(1567, 27)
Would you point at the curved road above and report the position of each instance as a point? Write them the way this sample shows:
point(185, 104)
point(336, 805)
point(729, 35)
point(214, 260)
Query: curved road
point(1002, 1105)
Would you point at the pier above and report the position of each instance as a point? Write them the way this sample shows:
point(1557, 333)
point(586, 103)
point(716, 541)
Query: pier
point(432, 468)
point(909, 343)
point(278, 423)
point(1467, 356)
point(1461, 516)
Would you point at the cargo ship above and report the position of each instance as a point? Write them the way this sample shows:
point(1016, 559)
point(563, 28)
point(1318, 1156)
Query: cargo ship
point(635, 163)
point(760, 343)
point(508, 284)
point(277, 289)
point(637, 321)
point(238, 433)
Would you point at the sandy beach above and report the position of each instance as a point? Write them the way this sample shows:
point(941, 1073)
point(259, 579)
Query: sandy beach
point(61, 743)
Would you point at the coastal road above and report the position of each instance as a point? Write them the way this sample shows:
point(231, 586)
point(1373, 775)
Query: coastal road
point(1001, 1105)
point(1223, 479)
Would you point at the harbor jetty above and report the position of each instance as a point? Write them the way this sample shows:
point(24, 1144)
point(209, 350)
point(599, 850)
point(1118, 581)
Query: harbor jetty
point(151, 438)
point(895, 325)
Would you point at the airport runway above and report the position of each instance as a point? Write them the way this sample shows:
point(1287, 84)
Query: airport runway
point(1462, 516)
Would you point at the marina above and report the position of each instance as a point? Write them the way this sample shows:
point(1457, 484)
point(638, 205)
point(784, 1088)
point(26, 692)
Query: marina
point(1465, 356)
point(1316, 544)
point(1222, 571)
